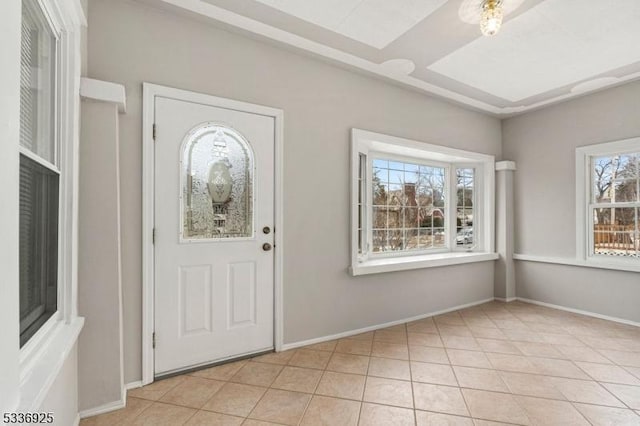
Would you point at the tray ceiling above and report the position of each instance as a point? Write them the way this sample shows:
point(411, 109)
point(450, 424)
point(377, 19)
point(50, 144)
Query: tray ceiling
point(547, 50)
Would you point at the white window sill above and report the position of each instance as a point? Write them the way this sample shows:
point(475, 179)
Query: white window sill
point(43, 367)
point(417, 262)
point(617, 264)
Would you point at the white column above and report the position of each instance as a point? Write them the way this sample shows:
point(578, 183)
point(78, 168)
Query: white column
point(505, 277)
point(100, 347)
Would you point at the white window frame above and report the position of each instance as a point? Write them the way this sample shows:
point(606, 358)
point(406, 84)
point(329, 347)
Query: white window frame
point(375, 145)
point(584, 219)
point(43, 355)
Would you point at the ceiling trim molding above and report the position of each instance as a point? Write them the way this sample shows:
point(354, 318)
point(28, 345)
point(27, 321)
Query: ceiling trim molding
point(251, 25)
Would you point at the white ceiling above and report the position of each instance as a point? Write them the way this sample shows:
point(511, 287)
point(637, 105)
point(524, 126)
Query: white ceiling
point(546, 52)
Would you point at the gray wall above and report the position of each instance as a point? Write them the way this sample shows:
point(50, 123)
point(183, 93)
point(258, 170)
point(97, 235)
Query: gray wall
point(543, 144)
point(62, 398)
point(130, 43)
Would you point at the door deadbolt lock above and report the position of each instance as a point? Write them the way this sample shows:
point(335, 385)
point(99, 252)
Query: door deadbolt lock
point(266, 247)
point(266, 230)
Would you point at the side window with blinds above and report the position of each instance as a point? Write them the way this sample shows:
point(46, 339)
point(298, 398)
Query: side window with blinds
point(39, 173)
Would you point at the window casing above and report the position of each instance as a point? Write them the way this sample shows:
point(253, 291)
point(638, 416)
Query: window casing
point(39, 206)
point(608, 202)
point(413, 203)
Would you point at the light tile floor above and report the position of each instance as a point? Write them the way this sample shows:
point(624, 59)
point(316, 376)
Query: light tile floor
point(487, 365)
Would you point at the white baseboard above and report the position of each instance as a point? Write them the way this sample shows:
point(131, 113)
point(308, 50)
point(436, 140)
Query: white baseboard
point(506, 300)
point(76, 422)
point(344, 334)
point(111, 406)
point(579, 311)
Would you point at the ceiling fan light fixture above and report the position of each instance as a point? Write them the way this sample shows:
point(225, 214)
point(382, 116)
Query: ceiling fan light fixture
point(491, 19)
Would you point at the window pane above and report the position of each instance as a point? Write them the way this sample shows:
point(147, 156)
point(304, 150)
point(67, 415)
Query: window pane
point(465, 188)
point(217, 199)
point(413, 216)
point(38, 246)
point(616, 232)
point(37, 78)
point(615, 178)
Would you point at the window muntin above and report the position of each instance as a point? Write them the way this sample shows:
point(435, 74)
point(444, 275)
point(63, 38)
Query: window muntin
point(614, 206)
point(465, 207)
point(39, 174)
point(217, 184)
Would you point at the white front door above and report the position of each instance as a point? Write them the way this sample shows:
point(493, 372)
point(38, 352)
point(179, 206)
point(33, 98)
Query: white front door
point(214, 217)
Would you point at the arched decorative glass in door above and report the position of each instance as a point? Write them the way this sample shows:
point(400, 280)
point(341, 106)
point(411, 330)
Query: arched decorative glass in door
point(217, 184)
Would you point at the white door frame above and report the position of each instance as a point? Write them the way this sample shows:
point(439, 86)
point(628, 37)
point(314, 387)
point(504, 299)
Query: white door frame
point(150, 91)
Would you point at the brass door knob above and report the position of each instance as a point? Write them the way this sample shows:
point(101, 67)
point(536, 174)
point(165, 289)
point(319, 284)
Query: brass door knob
point(266, 247)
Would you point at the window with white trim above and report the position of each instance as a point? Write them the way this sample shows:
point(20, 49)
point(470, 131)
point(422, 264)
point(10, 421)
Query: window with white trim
point(39, 172)
point(611, 200)
point(417, 205)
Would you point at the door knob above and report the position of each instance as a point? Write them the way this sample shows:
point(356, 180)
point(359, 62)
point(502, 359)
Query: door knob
point(266, 229)
point(266, 247)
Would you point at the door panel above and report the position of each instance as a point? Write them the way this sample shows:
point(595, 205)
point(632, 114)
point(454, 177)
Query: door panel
point(214, 187)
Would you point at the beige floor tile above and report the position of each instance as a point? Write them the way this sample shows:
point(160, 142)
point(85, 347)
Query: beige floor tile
point(389, 392)
point(390, 350)
point(207, 418)
point(607, 343)
point(281, 358)
point(437, 374)
point(252, 422)
point(479, 322)
point(494, 406)
point(498, 346)
point(441, 399)
point(383, 415)
point(608, 373)
point(193, 392)
point(630, 395)
point(156, 390)
point(451, 318)
point(280, 406)
point(310, 359)
point(468, 358)
point(480, 422)
point(544, 350)
point(354, 346)
point(582, 354)
point(516, 363)
point(426, 418)
point(523, 336)
point(235, 399)
point(326, 411)
point(341, 385)
point(558, 368)
point(323, 346)
point(628, 359)
point(160, 414)
point(389, 368)
point(608, 416)
point(428, 354)
point(633, 370)
point(422, 327)
point(395, 328)
point(390, 336)
point(455, 330)
point(123, 416)
point(548, 412)
point(257, 373)
point(220, 372)
point(562, 339)
point(488, 333)
point(347, 363)
point(510, 324)
point(297, 379)
point(589, 392)
point(531, 385)
point(480, 378)
point(458, 342)
point(425, 339)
